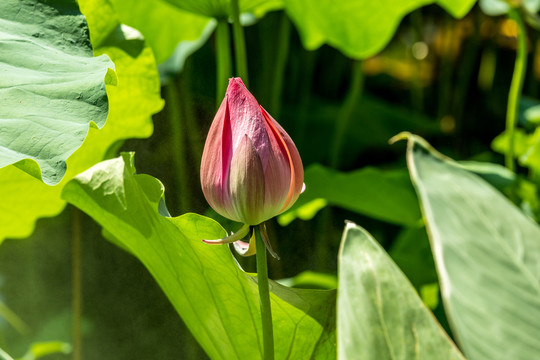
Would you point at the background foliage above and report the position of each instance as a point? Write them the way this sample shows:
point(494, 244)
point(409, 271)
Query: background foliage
point(342, 79)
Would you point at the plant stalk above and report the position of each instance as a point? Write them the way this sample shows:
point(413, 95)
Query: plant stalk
point(342, 122)
point(280, 63)
point(516, 87)
point(224, 62)
point(76, 270)
point(264, 296)
point(178, 145)
point(239, 44)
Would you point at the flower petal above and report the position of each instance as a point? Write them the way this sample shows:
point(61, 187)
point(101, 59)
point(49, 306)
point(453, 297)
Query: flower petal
point(216, 161)
point(246, 118)
point(297, 170)
point(246, 184)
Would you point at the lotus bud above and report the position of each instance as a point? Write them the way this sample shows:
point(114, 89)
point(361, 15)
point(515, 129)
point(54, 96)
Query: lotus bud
point(251, 170)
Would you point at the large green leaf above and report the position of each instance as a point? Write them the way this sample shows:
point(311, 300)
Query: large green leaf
point(52, 88)
point(216, 299)
point(487, 254)
point(379, 314)
point(384, 195)
point(131, 104)
point(358, 28)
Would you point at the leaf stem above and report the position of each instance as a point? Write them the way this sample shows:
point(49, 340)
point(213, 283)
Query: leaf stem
point(264, 296)
point(178, 145)
point(280, 62)
point(76, 269)
point(516, 86)
point(354, 94)
point(239, 44)
point(224, 62)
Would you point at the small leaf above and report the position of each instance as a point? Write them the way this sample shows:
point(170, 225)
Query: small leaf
point(41, 349)
point(380, 315)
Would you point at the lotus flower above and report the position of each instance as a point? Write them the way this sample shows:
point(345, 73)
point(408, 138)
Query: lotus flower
point(250, 170)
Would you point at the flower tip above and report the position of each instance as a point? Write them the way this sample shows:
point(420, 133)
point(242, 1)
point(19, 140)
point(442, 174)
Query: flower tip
point(236, 80)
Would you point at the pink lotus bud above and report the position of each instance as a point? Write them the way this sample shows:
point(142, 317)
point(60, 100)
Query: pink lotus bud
point(250, 170)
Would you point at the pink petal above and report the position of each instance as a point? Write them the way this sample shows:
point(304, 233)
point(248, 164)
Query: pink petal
point(246, 184)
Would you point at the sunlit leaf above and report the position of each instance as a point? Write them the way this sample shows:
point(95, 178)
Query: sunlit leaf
point(215, 298)
point(500, 7)
point(222, 8)
point(52, 88)
point(131, 104)
point(163, 25)
point(358, 28)
point(311, 280)
point(487, 255)
point(380, 315)
point(41, 349)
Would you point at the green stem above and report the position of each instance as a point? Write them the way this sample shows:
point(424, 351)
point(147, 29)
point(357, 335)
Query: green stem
point(192, 126)
point(76, 269)
point(355, 92)
point(239, 44)
point(224, 62)
point(178, 145)
point(516, 87)
point(264, 296)
point(417, 91)
point(280, 63)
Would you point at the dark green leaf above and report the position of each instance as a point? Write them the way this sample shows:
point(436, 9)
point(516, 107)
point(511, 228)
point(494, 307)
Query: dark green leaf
point(384, 195)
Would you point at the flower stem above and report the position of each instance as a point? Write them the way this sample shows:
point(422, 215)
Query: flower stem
point(264, 296)
point(224, 62)
point(280, 62)
point(77, 284)
point(239, 44)
point(178, 144)
point(516, 87)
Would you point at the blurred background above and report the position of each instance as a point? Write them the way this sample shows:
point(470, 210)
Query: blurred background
point(444, 79)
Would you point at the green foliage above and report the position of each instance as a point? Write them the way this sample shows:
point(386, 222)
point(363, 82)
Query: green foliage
point(52, 87)
point(383, 195)
point(164, 26)
point(222, 8)
point(39, 350)
point(216, 299)
point(131, 103)
point(357, 28)
point(487, 255)
point(379, 314)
